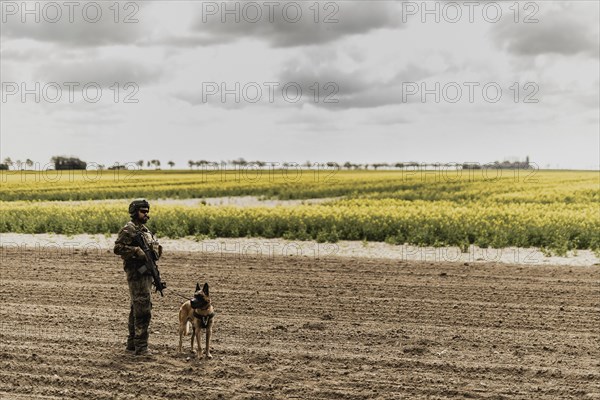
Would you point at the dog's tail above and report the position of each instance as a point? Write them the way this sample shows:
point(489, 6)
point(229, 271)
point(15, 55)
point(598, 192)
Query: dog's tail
point(188, 328)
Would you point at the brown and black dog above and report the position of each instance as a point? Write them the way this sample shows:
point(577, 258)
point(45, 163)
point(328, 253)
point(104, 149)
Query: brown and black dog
point(198, 314)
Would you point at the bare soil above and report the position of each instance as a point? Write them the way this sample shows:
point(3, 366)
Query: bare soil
point(302, 327)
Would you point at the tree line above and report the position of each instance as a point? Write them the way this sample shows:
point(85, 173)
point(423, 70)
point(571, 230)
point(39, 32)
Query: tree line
point(64, 163)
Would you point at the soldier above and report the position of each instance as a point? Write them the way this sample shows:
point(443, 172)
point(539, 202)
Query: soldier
point(139, 283)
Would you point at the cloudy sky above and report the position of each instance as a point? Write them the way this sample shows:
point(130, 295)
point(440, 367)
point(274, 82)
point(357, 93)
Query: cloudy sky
point(295, 81)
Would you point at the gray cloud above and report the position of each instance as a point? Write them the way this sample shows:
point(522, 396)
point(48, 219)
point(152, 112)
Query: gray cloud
point(82, 120)
point(180, 41)
point(75, 29)
point(23, 55)
point(105, 72)
point(357, 89)
point(337, 89)
point(312, 120)
point(565, 30)
point(391, 119)
point(345, 18)
point(586, 98)
point(335, 20)
point(195, 98)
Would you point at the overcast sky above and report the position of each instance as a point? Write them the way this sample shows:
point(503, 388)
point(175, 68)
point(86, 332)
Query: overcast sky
point(328, 81)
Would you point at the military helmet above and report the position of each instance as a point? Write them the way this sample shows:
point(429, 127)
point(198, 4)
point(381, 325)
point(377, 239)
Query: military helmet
point(137, 204)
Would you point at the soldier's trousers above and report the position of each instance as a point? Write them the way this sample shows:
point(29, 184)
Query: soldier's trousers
point(140, 310)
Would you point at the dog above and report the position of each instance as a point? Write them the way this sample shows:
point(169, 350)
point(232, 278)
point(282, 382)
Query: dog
point(197, 314)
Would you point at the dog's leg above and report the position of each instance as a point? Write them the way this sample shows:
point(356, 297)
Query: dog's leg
point(180, 338)
point(182, 331)
point(193, 337)
point(183, 328)
point(198, 334)
point(208, 335)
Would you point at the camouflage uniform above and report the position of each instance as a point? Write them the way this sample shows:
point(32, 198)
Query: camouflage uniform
point(139, 284)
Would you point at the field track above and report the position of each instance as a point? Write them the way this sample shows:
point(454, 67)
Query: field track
point(300, 327)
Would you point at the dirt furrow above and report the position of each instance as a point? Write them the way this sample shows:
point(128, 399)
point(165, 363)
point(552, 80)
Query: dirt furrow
point(301, 327)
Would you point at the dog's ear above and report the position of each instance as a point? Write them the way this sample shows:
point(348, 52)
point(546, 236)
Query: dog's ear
point(197, 286)
point(205, 289)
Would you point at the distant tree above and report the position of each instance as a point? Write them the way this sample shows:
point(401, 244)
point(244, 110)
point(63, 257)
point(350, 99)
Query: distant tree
point(61, 162)
point(191, 164)
point(140, 163)
point(240, 161)
point(29, 163)
point(399, 165)
point(171, 164)
point(8, 161)
point(149, 163)
point(3, 167)
point(307, 164)
point(347, 165)
point(471, 166)
point(156, 163)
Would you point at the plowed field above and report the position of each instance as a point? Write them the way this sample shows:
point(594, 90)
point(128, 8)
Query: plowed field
point(301, 327)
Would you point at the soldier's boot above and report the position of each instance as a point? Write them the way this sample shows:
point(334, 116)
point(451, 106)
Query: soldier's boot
point(131, 326)
point(143, 352)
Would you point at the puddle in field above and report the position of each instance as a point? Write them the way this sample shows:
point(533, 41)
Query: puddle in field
point(238, 201)
point(281, 247)
point(243, 201)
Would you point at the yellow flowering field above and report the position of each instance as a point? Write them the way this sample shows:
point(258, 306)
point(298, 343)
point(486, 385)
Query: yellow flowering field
point(556, 210)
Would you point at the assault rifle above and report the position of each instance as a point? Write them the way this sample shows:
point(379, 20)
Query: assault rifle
point(150, 263)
